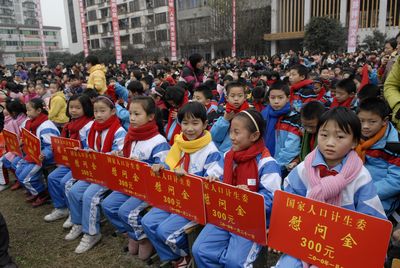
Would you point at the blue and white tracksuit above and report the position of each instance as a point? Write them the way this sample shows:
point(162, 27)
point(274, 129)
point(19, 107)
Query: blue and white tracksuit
point(384, 166)
point(57, 179)
point(84, 198)
point(165, 230)
point(216, 247)
point(123, 211)
point(30, 174)
point(359, 195)
point(220, 134)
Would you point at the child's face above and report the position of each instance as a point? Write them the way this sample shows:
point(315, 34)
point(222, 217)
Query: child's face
point(102, 111)
point(31, 89)
point(199, 97)
point(40, 90)
point(240, 135)
point(25, 91)
point(31, 112)
point(53, 88)
point(236, 96)
point(138, 116)
point(317, 87)
point(309, 125)
point(295, 77)
point(371, 123)
point(75, 109)
point(334, 143)
point(341, 95)
point(277, 99)
point(145, 85)
point(324, 74)
point(192, 127)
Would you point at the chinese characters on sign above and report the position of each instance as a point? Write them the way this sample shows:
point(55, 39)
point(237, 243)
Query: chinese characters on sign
point(327, 235)
point(172, 28)
point(353, 26)
point(12, 142)
point(83, 28)
point(31, 146)
point(115, 26)
point(59, 144)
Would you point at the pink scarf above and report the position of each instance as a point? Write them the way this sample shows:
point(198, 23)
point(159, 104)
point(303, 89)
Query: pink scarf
point(328, 189)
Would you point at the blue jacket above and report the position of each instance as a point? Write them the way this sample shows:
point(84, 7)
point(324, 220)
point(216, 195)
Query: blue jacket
point(220, 134)
point(384, 166)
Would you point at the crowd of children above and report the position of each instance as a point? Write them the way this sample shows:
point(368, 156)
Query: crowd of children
point(326, 138)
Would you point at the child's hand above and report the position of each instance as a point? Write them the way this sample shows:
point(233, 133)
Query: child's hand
point(243, 187)
point(134, 158)
point(291, 166)
point(41, 157)
point(117, 153)
point(156, 168)
point(90, 150)
point(76, 148)
point(212, 178)
point(271, 249)
point(229, 116)
point(180, 172)
point(174, 114)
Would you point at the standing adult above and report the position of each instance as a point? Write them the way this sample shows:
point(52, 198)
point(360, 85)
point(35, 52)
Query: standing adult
point(193, 72)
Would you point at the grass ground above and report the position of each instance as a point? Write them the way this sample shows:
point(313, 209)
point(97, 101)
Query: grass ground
point(35, 243)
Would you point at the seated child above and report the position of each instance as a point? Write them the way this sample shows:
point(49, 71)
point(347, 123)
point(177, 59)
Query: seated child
point(176, 97)
point(258, 95)
point(381, 160)
point(44, 94)
point(344, 94)
point(248, 158)
point(339, 131)
point(203, 94)
point(301, 88)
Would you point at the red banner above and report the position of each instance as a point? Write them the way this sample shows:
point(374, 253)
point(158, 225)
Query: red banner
point(40, 19)
point(31, 146)
point(353, 25)
point(126, 176)
point(12, 142)
point(83, 28)
point(172, 29)
point(326, 235)
point(59, 144)
point(183, 196)
point(231, 208)
point(115, 25)
point(87, 165)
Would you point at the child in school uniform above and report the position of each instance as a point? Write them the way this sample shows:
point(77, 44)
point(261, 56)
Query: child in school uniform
point(345, 94)
point(44, 94)
point(193, 152)
point(14, 120)
point(57, 105)
point(176, 97)
point(248, 165)
point(203, 94)
point(282, 132)
point(145, 142)
point(333, 172)
point(301, 88)
point(380, 158)
point(105, 135)
point(236, 102)
point(80, 112)
point(29, 174)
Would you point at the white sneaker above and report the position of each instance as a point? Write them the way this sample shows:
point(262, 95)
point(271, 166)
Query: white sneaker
point(87, 242)
point(56, 214)
point(68, 223)
point(4, 187)
point(74, 233)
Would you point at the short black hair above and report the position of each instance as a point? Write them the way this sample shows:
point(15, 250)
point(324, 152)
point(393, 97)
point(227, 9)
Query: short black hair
point(15, 107)
point(193, 109)
point(91, 93)
point(249, 122)
point(348, 85)
point(86, 103)
point(312, 110)
point(301, 69)
point(205, 90)
point(150, 107)
point(148, 79)
point(377, 106)
point(346, 119)
point(38, 103)
point(135, 87)
point(233, 84)
point(392, 42)
point(258, 92)
point(278, 85)
point(369, 91)
point(194, 59)
point(175, 94)
point(92, 60)
point(211, 84)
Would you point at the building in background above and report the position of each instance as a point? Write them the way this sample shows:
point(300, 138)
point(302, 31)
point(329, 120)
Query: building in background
point(289, 17)
point(74, 29)
point(19, 33)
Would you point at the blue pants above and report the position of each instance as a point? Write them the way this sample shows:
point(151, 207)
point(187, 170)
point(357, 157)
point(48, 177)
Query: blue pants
point(15, 162)
point(30, 176)
point(6, 162)
point(288, 261)
point(84, 199)
point(56, 185)
point(166, 232)
point(131, 213)
point(216, 247)
point(111, 205)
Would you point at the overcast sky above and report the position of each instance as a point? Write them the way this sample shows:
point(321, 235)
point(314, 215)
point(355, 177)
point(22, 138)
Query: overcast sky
point(54, 15)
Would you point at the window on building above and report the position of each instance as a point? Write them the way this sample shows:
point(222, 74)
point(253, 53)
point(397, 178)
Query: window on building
point(123, 24)
point(125, 40)
point(137, 38)
point(122, 8)
point(150, 37)
point(90, 3)
point(160, 3)
point(106, 27)
point(162, 35)
point(94, 43)
point(150, 20)
point(72, 24)
point(93, 29)
point(134, 6)
point(135, 22)
point(188, 4)
point(12, 43)
point(104, 13)
point(92, 15)
point(161, 18)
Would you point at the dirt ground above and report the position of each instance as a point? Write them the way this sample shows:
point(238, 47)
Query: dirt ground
point(35, 243)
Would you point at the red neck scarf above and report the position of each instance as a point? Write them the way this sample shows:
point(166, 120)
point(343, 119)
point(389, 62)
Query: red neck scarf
point(259, 106)
point(346, 103)
point(297, 86)
point(72, 128)
point(321, 93)
point(246, 168)
point(145, 132)
point(324, 171)
point(33, 124)
point(112, 124)
point(230, 108)
point(178, 128)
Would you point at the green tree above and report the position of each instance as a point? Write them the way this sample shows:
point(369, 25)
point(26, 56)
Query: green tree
point(324, 34)
point(375, 41)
